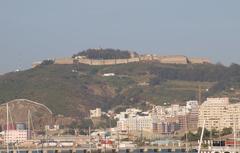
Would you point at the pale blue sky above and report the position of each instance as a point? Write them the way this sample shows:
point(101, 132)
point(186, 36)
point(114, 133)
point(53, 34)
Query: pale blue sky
point(34, 30)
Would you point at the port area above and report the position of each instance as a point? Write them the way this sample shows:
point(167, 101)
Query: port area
point(122, 150)
point(95, 150)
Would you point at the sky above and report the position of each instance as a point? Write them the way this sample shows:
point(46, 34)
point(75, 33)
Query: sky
point(36, 30)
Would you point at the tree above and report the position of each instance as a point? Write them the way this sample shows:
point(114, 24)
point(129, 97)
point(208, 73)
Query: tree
point(226, 131)
point(47, 62)
point(107, 53)
point(215, 133)
point(196, 136)
point(206, 133)
point(86, 123)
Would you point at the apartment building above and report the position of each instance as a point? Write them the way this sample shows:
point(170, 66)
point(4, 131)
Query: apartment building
point(137, 123)
point(96, 113)
point(13, 136)
point(218, 113)
point(15, 133)
point(232, 116)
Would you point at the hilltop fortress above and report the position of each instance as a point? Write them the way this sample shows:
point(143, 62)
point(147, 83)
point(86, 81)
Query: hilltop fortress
point(173, 59)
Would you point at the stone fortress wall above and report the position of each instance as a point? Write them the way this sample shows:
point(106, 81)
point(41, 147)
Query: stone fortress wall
point(171, 59)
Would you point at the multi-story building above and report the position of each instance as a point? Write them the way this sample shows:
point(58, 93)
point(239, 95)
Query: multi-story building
point(131, 112)
point(192, 116)
point(96, 113)
point(159, 110)
point(182, 121)
point(165, 125)
point(12, 136)
point(161, 119)
point(218, 113)
point(133, 124)
point(190, 105)
point(232, 116)
point(15, 133)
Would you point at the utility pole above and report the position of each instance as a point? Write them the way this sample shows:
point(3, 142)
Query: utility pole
point(234, 131)
point(199, 94)
point(118, 139)
point(29, 125)
point(90, 141)
point(105, 147)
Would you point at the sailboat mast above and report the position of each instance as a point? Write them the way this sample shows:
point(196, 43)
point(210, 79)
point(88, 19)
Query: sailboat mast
point(90, 141)
point(200, 143)
point(28, 121)
point(7, 134)
point(234, 135)
point(186, 130)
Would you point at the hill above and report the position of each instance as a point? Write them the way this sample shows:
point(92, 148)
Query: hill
point(74, 89)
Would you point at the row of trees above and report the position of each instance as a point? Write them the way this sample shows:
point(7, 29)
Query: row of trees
point(47, 62)
point(205, 72)
point(225, 77)
point(107, 53)
point(207, 134)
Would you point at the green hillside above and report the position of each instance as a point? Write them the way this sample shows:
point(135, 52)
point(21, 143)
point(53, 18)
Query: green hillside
point(74, 89)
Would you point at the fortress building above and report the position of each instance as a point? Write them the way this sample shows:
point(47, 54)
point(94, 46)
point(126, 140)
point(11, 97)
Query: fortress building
point(173, 59)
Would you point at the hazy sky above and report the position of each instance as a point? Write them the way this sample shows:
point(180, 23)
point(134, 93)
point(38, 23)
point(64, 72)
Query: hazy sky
point(34, 30)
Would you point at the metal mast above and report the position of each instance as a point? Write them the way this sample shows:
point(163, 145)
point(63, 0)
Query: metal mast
point(7, 134)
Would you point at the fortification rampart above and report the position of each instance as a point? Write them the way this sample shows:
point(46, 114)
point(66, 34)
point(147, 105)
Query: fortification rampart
point(63, 61)
point(178, 59)
point(199, 60)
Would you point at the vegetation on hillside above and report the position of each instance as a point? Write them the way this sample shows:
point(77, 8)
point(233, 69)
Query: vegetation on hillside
point(74, 89)
point(107, 53)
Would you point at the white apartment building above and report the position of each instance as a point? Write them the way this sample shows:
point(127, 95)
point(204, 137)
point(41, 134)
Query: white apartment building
point(232, 116)
point(13, 136)
point(96, 113)
point(159, 111)
point(130, 112)
point(191, 104)
point(218, 113)
point(175, 110)
point(138, 123)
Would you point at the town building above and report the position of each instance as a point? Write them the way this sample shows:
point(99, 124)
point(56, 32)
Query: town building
point(134, 124)
point(13, 136)
point(15, 133)
point(161, 119)
point(232, 116)
point(218, 113)
point(130, 112)
point(96, 113)
point(192, 116)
